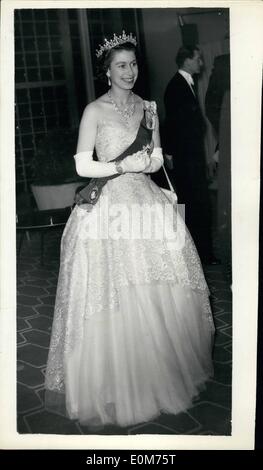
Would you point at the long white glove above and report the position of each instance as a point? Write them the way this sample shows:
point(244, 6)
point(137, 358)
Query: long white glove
point(87, 167)
point(156, 160)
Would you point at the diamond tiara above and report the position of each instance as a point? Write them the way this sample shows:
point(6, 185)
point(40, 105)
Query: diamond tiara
point(116, 41)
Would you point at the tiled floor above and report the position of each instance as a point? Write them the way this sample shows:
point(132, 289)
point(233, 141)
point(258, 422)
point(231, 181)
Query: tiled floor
point(211, 412)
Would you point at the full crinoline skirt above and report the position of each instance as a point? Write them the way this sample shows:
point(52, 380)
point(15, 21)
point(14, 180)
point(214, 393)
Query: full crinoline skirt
point(133, 332)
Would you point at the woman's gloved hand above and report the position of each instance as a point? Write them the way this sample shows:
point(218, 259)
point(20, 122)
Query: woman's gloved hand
point(136, 163)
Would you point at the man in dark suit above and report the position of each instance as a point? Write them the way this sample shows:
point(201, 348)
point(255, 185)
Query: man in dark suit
point(184, 148)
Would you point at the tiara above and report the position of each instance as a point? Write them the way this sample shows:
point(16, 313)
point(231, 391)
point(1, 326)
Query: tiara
point(116, 41)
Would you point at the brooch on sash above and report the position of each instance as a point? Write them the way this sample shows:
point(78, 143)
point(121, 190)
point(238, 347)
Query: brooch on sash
point(150, 113)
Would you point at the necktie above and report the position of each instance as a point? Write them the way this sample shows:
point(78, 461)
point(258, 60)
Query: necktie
point(192, 86)
point(191, 81)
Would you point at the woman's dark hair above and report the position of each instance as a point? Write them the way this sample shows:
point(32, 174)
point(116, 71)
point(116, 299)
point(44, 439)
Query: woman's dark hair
point(185, 52)
point(107, 56)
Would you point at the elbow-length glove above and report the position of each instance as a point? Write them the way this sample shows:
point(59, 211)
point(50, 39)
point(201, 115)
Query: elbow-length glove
point(156, 160)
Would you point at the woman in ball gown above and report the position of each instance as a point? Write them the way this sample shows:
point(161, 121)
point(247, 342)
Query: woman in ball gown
point(132, 334)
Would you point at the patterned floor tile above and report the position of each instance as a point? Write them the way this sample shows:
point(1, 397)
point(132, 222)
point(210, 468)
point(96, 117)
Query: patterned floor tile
point(227, 331)
point(22, 428)
point(223, 373)
point(151, 428)
point(51, 290)
point(23, 268)
point(41, 391)
point(181, 423)
point(47, 310)
point(20, 339)
point(221, 338)
point(212, 416)
point(29, 375)
point(48, 300)
point(42, 274)
point(37, 282)
point(31, 354)
point(221, 354)
point(226, 317)
point(25, 311)
point(228, 348)
point(39, 338)
point(225, 294)
point(43, 422)
point(217, 393)
point(103, 430)
point(225, 305)
point(40, 322)
point(21, 324)
point(26, 300)
point(32, 291)
point(53, 282)
point(217, 310)
point(219, 322)
point(27, 400)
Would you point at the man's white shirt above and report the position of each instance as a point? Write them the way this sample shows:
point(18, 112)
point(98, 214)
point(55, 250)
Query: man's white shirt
point(188, 77)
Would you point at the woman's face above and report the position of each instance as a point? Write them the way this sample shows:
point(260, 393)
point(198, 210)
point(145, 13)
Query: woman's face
point(123, 69)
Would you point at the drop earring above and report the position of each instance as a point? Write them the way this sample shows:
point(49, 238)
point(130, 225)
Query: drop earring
point(109, 81)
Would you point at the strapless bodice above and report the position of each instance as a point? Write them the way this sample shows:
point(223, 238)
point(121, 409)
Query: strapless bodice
point(113, 138)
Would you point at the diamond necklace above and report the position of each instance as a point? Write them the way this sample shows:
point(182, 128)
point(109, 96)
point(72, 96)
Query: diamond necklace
point(125, 113)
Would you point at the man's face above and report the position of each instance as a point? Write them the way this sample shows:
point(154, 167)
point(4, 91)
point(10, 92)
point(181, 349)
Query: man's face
point(195, 64)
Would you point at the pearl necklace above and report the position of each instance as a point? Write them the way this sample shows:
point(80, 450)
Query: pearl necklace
point(125, 113)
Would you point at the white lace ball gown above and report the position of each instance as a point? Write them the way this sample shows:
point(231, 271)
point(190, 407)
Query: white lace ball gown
point(133, 332)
